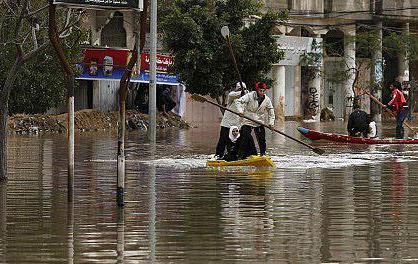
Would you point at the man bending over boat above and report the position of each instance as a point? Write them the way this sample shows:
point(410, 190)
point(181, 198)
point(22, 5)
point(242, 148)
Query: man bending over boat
point(256, 105)
point(359, 123)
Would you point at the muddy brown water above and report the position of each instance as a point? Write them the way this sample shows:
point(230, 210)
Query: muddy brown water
point(355, 204)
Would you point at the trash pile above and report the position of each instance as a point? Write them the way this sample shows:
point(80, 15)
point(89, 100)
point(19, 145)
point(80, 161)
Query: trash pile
point(88, 120)
point(34, 124)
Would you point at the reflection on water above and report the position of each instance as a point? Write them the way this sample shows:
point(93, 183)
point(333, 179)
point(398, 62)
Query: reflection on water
point(70, 228)
point(3, 225)
point(354, 204)
point(152, 205)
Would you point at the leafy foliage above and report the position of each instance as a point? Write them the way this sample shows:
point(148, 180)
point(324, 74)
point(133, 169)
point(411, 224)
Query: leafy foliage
point(313, 60)
point(38, 86)
point(202, 58)
point(40, 82)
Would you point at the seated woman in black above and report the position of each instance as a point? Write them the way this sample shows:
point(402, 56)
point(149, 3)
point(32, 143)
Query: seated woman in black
point(232, 144)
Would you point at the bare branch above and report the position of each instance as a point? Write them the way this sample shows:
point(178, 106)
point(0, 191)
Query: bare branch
point(67, 19)
point(69, 26)
point(34, 39)
point(44, 45)
point(19, 25)
point(11, 9)
point(67, 32)
point(63, 33)
point(33, 52)
point(25, 38)
point(31, 14)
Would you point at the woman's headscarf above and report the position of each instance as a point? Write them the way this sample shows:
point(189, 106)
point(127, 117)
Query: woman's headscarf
point(231, 136)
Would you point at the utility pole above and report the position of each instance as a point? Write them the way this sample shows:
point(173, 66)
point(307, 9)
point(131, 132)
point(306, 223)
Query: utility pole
point(152, 131)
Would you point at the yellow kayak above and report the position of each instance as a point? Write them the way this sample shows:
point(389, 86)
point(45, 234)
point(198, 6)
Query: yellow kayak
point(253, 161)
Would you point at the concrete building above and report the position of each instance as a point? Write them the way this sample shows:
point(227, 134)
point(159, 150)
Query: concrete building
point(337, 23)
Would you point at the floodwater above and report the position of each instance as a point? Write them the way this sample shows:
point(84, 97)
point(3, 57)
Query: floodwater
point(354, 204)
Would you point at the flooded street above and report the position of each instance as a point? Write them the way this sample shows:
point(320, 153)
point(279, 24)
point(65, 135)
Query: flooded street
point(353, 204)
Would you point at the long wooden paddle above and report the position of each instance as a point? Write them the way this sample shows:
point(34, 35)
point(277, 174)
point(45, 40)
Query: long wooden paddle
point(203, 100)
point(387, 110)
point(225, 34)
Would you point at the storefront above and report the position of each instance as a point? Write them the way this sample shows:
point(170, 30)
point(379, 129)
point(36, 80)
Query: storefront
point(102, 69)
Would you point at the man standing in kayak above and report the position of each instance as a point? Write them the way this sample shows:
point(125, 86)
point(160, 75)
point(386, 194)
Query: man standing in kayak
point(229, 119)
point(399, 106)
point(256, 105)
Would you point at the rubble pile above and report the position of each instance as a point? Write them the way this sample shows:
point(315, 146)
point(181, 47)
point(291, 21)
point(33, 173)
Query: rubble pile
point(88, 120)
point(34, 124)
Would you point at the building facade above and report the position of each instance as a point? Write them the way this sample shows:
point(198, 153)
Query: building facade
point(338, 23)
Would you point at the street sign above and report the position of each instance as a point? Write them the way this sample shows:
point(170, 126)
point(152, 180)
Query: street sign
point(103, 4)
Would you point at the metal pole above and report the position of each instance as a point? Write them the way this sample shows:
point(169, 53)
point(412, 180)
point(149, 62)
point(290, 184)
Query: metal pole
point(71, 135)
point(138, 37)
point(152, 131)
point(121, 154)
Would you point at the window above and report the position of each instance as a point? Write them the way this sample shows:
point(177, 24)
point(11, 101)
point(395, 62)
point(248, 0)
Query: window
point(114, 34)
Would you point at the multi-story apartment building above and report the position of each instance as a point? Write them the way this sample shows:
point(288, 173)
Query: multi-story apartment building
point(337, 23)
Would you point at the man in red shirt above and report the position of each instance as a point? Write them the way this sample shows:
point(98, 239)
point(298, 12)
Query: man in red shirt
point(399, 106)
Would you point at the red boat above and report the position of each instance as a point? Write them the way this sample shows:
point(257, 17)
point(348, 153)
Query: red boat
point(315, 135)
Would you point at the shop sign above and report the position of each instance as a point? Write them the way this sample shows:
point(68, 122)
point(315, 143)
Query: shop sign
point(103, 4)
point(109, 64)
point(164, 62)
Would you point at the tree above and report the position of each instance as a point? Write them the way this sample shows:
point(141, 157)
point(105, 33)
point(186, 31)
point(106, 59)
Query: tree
point(192, 33)
point(23, 38)
point(37, 88)
point(40, 84)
